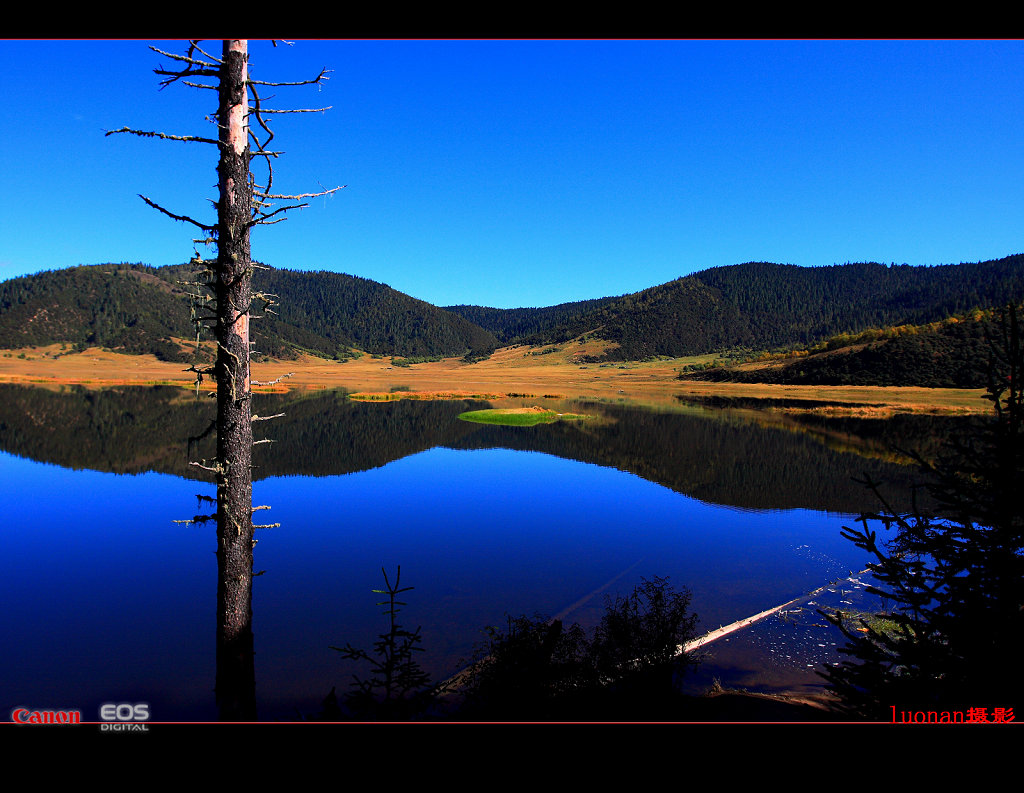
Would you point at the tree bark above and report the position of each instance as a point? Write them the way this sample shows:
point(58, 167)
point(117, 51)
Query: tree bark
point(239, 207)
point(235, 666)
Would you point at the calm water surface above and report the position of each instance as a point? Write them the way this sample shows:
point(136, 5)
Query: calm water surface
point(107, 599)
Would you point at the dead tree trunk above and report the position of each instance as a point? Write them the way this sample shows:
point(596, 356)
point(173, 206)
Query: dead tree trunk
point(235, 666)
point(241, 205)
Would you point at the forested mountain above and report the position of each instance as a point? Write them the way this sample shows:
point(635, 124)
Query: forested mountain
point(682, 317)
point(358, 312)
point(326, 312)
point(757, 305)
point(766, 305)
point(511, 324)
point(785, 304)
point(140, 309)
point(956, 353)
point(116, 306)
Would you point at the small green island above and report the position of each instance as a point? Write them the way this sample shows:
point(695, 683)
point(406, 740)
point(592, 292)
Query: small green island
point(519, 417)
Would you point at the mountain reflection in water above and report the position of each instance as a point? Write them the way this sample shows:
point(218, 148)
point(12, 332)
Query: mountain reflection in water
point(109, 600)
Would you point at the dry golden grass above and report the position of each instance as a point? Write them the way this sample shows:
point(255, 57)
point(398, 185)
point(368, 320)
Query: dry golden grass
point(510, 371)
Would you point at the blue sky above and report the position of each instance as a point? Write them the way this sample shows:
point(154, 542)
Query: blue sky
point(529, 173)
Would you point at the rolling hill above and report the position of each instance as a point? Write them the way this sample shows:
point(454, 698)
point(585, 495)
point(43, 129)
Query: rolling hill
point(757, 305)
point(955, 353)
point(137, 309)
point(764, 306)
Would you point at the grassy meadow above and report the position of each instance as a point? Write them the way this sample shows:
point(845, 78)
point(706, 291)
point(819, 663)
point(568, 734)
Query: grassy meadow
point(511, 372)
point(518, 417)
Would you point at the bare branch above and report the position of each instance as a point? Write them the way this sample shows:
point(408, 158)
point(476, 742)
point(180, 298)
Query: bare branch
point(183, 218)
point(302, 195)
point(161, 135)
point(266, 110)
point(320, 78)
point(208, 68)
point(175, 76)
point(193, 46)
point(198, 519)
point(262, 218)
point(272, 382)
point(217, 468)
point(212, 64)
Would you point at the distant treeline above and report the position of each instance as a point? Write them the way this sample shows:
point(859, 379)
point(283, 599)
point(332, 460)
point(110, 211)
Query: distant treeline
point(138, 309)
point(763, 305)
point(757, 305)
point(511, 325)
point(952, 354)
point(127, 307)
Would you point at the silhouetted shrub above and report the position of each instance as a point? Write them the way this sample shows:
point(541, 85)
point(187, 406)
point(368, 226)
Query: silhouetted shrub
point(537, 669)
point(954, 633)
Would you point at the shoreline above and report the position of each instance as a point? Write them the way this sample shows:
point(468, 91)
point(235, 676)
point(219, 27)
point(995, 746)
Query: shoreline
point(508, 374)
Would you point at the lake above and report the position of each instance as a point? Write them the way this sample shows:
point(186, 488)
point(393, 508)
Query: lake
point(108, 599)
